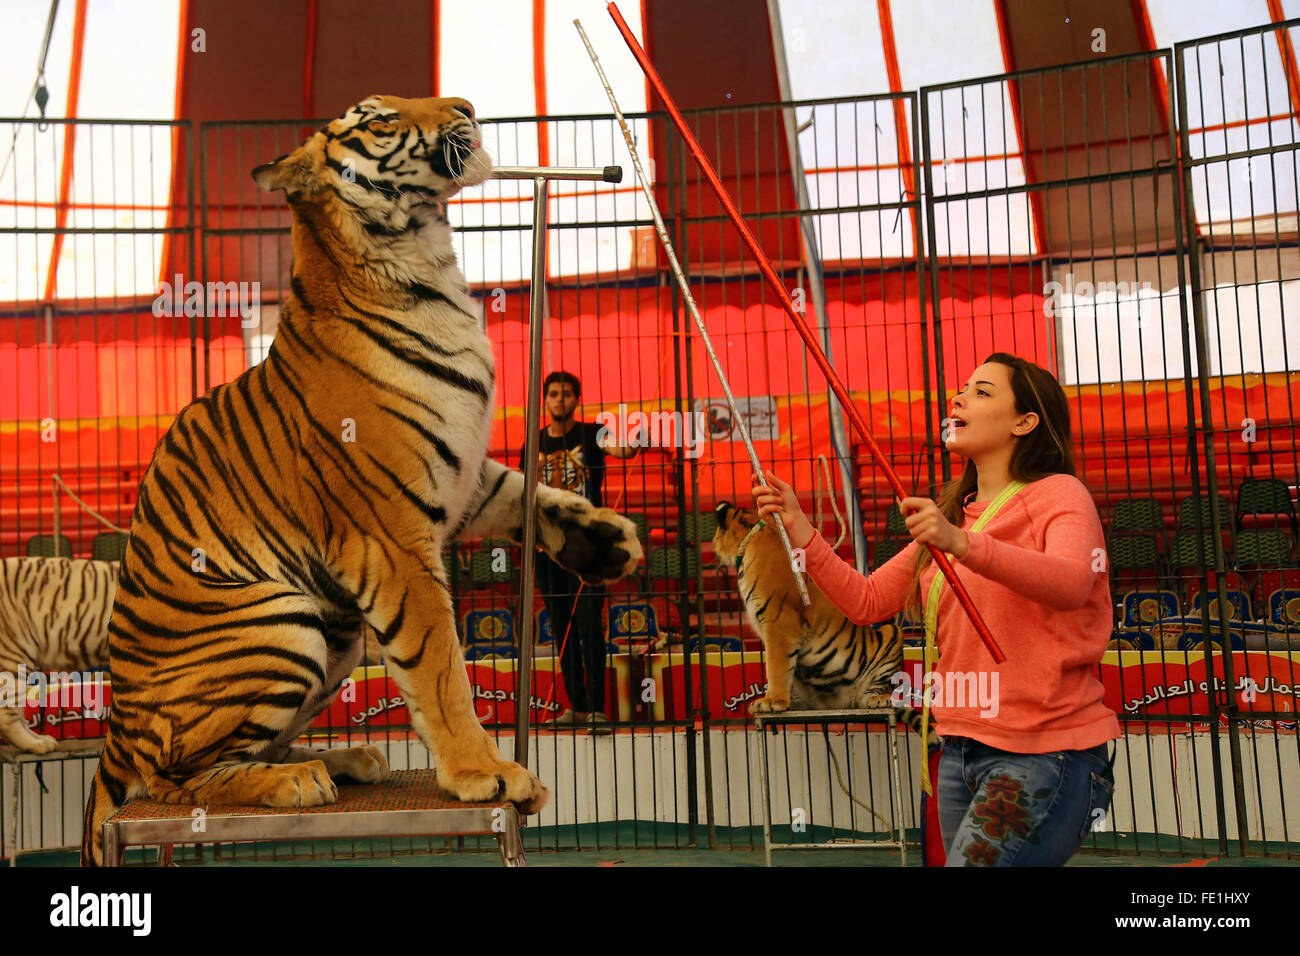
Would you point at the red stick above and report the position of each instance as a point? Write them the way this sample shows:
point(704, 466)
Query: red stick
point(765, 266)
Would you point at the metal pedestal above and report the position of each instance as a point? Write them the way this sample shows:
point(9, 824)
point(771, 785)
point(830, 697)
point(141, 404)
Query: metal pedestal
point(408, 803)
point(885, 715)
point(11, 757)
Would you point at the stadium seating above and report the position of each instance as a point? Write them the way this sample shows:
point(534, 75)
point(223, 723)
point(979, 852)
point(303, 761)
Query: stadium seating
point(1134, 560)
point(1238, 606)
point(1284, 609)
point(886, 548)
point(642, 527)
point(1263, 549)
point(1193, 509)
point(46, 546)
point(490, 563)
point(481, 652)
point(1232, 581)
point(1274, 579)
point(496, 626)
point(1265, 502)
point(1196, 640)
point(667, 564)
point(1148, 608)
point(1137, 515)
point(630, 622)
point(700, 527)
point(108, 546)
point(894, 523)
point(1130, 639)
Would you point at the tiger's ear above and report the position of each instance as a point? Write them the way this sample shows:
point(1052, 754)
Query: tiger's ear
point(289, 172)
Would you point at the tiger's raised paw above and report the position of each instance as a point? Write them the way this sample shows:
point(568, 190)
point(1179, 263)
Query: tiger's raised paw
point(768, 705)
point(597, 544)
point(507, 780)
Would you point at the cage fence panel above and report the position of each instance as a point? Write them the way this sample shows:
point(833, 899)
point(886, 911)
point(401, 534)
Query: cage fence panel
point(1054, 225)
point(828, 186)
point(93, 365)
point(1039, 213)
point(1239, 141)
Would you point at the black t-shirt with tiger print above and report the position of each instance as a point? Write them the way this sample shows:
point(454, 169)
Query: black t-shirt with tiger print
point(574, 461)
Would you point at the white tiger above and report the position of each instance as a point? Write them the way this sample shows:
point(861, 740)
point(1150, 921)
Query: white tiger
point(54, 615)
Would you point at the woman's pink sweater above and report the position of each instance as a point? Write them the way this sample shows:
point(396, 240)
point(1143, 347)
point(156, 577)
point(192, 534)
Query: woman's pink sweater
point(1038, 575)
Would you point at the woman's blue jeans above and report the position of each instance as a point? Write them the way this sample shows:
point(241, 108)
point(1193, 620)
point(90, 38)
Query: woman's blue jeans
point(1006, 809)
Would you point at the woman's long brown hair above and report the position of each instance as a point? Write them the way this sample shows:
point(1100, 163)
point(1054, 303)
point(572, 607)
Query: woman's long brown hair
point(1047, 450)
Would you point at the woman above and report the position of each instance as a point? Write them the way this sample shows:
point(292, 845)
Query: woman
point(1025, 767)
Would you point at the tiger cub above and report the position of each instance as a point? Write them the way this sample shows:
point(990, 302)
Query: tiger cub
point(53, 619)
point(816, 659)
point(315, 492)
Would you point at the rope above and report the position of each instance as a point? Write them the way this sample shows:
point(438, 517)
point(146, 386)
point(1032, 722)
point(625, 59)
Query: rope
point(841, 523)
point(85, 507)
point(840, 780)
point(39, 93)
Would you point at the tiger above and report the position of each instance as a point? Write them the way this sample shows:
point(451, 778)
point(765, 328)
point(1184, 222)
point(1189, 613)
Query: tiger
point(53, 620)
point(314, 493)
point(815, 657)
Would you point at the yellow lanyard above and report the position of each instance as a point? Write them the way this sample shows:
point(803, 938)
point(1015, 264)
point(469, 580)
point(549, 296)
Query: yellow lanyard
point(930, 654)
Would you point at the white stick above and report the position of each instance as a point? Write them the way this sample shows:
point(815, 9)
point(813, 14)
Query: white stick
point(690, 301)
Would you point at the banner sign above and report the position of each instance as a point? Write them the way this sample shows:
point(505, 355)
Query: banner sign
point(1161, 687)
point(758, 411)
point(368, 700)
point(1146, 684)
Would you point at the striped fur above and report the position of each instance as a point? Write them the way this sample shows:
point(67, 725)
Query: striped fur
point(816, 658)
point(315, 493)
point(53, 619)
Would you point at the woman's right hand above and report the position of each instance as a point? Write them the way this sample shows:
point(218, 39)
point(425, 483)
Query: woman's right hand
point(778, 498)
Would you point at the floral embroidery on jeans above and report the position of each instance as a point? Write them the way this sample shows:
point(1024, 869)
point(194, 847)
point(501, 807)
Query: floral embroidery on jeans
point(1003, 809)
point(981, 853)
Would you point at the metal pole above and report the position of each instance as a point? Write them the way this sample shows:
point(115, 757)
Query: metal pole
point(931, 242)
point(606, 174)
point(1193, 246)
point(783, 296)
point(812, 261)
point(662, 231)
point(540, 175)
point(537, 291)
point(49, 395)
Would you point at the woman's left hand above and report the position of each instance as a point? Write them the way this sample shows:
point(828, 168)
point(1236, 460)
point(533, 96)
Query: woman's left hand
point(927, 525)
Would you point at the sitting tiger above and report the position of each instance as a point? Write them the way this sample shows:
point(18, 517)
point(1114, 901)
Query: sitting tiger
point(315, 492)
point(816, 659)
point(53, 620)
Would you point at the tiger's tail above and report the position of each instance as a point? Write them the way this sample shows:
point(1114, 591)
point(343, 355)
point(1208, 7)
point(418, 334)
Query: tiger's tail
point(906, 715)
point(110, 788)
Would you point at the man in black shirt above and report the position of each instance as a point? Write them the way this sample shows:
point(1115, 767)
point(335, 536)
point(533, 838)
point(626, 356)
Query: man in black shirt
point(572, 457)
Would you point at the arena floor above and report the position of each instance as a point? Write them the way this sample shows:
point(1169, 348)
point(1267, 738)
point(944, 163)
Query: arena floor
point(357, 853)
point(692, 858)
